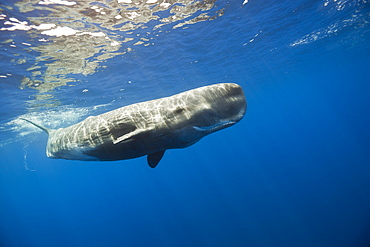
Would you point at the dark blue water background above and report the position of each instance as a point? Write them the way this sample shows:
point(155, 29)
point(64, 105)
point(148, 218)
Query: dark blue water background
point(294, 172)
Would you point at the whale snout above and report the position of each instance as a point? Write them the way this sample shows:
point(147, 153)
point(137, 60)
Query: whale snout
point(218, 107)
point(230, 103)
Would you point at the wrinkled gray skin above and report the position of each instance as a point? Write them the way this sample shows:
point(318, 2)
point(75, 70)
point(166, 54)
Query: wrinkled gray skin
point(151, 127)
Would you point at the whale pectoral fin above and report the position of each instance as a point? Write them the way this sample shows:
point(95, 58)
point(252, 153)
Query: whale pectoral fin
point(128, 136)
point(154, 158)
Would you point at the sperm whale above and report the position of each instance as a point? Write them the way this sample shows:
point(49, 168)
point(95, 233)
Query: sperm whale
point(149, 128)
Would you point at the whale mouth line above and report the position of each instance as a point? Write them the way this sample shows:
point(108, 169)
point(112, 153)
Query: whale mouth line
point(214, 127)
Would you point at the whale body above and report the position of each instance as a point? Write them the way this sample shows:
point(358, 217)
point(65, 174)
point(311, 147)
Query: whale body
point(149, 128)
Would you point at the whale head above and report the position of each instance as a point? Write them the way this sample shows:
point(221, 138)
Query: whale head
point(205, 110)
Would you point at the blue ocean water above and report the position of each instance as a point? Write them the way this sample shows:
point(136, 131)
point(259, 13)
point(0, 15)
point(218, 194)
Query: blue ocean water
point(294, 172)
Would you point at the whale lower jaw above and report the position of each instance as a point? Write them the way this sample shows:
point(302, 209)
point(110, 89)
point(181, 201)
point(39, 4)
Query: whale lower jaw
point(214, 127)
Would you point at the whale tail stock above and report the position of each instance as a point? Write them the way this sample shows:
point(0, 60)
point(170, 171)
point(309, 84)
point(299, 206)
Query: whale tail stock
point(38, 126)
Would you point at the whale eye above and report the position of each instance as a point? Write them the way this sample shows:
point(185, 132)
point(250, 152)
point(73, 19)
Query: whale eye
point(179, 110)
